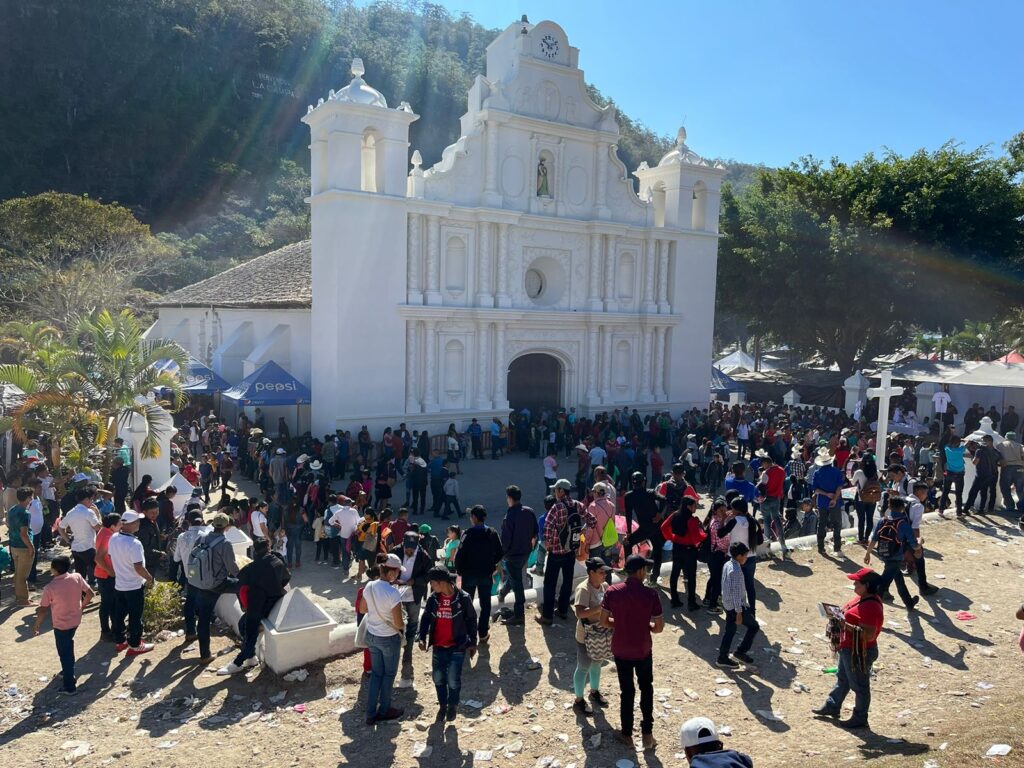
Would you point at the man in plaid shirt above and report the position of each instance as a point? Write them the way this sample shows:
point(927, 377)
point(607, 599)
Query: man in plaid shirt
point(566, 523)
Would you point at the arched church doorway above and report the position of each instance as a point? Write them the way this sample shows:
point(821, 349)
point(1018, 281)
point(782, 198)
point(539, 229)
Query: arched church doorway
point(535, 382)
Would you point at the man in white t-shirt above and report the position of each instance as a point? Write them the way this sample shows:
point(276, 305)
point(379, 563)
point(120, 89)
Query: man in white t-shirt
point(35, 524)
point(83, 521)
point(342, 518)
point(128, 557)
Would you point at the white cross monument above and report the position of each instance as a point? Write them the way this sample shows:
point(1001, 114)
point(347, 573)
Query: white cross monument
point(884, 392)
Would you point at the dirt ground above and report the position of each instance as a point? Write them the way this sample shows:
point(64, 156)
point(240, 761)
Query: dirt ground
point(945, 690)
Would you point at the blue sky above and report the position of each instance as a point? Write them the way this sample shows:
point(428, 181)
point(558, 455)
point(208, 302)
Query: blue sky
point(772, 81)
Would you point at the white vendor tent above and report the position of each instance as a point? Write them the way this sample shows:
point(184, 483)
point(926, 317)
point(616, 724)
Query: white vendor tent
point(969, 382)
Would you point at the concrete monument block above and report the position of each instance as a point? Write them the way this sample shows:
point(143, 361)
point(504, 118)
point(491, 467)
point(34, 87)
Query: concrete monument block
point(297, 632)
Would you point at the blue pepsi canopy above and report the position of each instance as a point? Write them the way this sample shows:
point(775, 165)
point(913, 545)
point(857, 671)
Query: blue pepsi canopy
point(199, 378)
point(270, 384)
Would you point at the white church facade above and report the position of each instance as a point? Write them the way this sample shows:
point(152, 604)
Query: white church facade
point(522, 269)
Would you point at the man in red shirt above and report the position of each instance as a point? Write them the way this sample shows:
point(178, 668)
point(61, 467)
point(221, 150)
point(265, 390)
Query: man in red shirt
point(858, 650)
point(633, 612)
point(773, 485)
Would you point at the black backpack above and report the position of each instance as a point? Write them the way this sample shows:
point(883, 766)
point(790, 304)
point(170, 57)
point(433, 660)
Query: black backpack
point(890, 546)
point(571, 533)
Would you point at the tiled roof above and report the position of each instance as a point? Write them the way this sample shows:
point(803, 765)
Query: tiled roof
point(281, 278)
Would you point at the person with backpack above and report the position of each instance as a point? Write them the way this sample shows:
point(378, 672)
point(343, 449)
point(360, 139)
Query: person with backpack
point(519, 532)
point(858, 649)
point(261, 584)
point(449, 626)
point(603, 538)
point(565, 531)
point(893, 537)
point(685, 532)
point(869, 493)
point(648, 509)
point(476, 561)
point(211, 571)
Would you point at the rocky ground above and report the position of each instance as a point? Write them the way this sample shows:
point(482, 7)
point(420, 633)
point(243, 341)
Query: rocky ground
point(946, 689)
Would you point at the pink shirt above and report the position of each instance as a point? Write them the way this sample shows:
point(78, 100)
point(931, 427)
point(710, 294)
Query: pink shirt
point(63, 596)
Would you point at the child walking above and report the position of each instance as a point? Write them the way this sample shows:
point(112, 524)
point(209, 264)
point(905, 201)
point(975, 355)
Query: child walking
point(65, 597)
point(738, 609)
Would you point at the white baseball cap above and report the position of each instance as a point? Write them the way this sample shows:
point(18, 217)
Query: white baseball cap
point(393, 561)
point(696, 731)
point(280, 451)
point(130, 516)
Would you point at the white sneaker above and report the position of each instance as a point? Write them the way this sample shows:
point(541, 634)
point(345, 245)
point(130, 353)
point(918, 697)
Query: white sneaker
point(230, 669)
point(250, 663)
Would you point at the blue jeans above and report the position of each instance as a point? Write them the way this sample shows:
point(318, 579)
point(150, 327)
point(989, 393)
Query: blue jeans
point(515, 567)
point(65, 639)
point(729, 632)
point(748, 579)
point(293, 549)
point(384, 656)
point(849, 677)
point(447, 674)
point(205, 603)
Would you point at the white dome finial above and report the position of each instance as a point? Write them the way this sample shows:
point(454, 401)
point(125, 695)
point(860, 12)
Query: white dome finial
point(358, 70)
point(681, 136)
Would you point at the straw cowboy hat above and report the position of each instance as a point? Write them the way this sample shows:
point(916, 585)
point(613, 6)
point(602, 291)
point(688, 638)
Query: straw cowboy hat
point(824, 457)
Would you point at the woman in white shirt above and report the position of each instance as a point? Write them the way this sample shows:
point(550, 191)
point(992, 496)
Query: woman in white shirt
point(381, 605)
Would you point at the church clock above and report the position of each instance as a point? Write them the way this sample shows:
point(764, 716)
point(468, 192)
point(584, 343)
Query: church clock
point(549, 46)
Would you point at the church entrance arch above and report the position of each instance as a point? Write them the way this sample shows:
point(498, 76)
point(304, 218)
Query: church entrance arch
point(535, 381)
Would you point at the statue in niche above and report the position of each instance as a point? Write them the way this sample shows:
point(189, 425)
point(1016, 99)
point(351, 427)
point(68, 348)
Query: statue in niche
point(542, 180)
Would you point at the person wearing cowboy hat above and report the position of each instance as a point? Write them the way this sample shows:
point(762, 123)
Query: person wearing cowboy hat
point(826, 485)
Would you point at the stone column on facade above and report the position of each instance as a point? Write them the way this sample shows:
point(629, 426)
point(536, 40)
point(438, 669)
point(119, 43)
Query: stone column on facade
point(412, 363)
point(650, 266)
point(592, 352)
point(500, 368)
point(606, 365)
point(663, 307)
point(644, 395)
point(414, 289)
point(484, 297)
point(660, 335)
point(430, 402)
point(601, 171)
point(492, 197)
point(610, 302)
point(483, 334)
point(595, 271)
point(433, 261)
point(503, 299)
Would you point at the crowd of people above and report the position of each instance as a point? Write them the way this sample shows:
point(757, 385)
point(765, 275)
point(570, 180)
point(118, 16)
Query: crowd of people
point(742, 479)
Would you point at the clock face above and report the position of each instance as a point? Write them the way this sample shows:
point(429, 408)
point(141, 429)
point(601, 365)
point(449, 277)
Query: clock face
point(549, 46)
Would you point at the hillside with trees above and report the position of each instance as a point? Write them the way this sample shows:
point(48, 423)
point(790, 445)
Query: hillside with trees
point(187, 112)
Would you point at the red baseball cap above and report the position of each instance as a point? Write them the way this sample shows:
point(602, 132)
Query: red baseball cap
point(862, 575)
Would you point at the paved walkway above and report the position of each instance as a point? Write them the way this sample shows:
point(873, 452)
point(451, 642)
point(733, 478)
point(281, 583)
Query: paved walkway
point(482, 481)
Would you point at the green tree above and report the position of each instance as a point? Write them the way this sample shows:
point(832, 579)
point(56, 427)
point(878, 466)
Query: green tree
point(118, 365)
point(62, 256)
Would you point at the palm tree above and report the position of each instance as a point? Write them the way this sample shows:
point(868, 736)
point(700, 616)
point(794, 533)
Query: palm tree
point(54, 401)
point(1012, 329)
point(118, 364)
